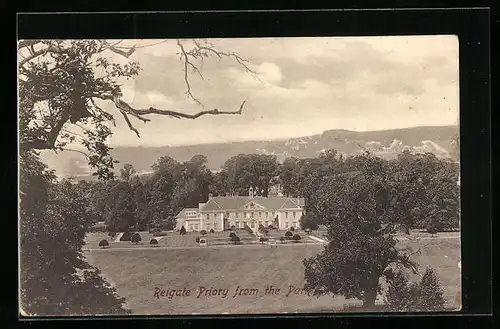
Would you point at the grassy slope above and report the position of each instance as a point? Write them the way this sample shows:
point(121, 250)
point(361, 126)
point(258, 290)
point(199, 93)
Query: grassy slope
point(135, 274)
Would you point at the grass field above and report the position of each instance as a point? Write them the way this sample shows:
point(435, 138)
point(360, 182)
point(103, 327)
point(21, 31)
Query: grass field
point(176, 240)
point(137, 273)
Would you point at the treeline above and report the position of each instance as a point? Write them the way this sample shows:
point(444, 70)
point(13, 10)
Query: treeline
point(423, 187)
point(139, 202)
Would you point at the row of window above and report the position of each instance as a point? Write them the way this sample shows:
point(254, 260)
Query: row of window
point(195, 227)
point(214, 215)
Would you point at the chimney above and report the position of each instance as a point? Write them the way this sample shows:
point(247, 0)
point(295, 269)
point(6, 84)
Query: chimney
point(250, 192)
point(210, 196)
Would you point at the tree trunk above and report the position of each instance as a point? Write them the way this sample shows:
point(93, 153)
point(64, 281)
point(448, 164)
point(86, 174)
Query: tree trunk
point(369, 300)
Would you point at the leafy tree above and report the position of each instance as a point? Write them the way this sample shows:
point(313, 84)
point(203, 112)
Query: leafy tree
point(426, 189)
point(68, 83)
point(288, 234)
point(430, 293)
point(399, 298)
point(292, 229)
point(296, 238)
point(120, 209)
point(54, 277)
point(203, 232)
point(153, 242)
point(103, 243)
point(359, 216)
point(160, 187)
point(64, 86)
point(192, 182)
point(182, 230)
point(403, 296)
point(245, 170)
point(309, 221)
point(212, 230)
point(142, 215)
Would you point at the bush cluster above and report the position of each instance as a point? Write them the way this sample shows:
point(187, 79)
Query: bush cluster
point(403, 296)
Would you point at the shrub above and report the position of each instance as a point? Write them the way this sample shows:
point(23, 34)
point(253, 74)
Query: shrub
point(307, 230)
point(270, 227)
point(292, 229)
point(212, 230)
point(236, 240)
point(153, 242)
point(160, 233)
point(203, 232)
point(296, 238)
point(232, 234)
point(266, 231)
point(197, 239)
point(135, 238)
point(103, 243)
point(126, 236)
point(233, 227)
point(182, 231)
point(288, 234)
point(282, 239)
point(112, 234)
point(431, 228)
point(263, 239)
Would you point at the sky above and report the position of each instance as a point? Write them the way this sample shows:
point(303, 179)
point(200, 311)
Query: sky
point(304, 86)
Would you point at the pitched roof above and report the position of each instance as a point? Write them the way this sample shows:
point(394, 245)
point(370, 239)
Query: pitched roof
point(240, 202)
point(182, 213)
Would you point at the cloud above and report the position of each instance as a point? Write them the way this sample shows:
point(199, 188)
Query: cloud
point(305, 85)
point(269, 72)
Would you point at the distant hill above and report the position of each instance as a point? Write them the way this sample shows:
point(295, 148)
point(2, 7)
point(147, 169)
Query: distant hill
point(386, 143)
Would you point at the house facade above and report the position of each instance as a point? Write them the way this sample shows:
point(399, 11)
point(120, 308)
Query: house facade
point(222, 212)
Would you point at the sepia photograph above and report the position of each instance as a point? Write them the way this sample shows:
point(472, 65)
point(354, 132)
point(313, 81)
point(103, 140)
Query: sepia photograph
point(228, 176)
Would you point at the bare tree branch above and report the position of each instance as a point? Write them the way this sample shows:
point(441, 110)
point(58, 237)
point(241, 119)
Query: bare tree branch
point(43, 51)
point(130, 124)
point(186, 79)
point(116, 50)
point(73, 150)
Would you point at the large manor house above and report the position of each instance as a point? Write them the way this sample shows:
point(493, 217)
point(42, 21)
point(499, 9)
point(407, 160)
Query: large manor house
point(222, 212)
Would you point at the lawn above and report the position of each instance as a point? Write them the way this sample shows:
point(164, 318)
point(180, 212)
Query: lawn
point(175, 240)
point(136, 275)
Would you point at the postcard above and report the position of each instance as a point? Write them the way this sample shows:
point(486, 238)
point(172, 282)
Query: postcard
point(239, 176)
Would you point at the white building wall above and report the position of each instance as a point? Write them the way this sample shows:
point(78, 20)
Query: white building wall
point(240, 217)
